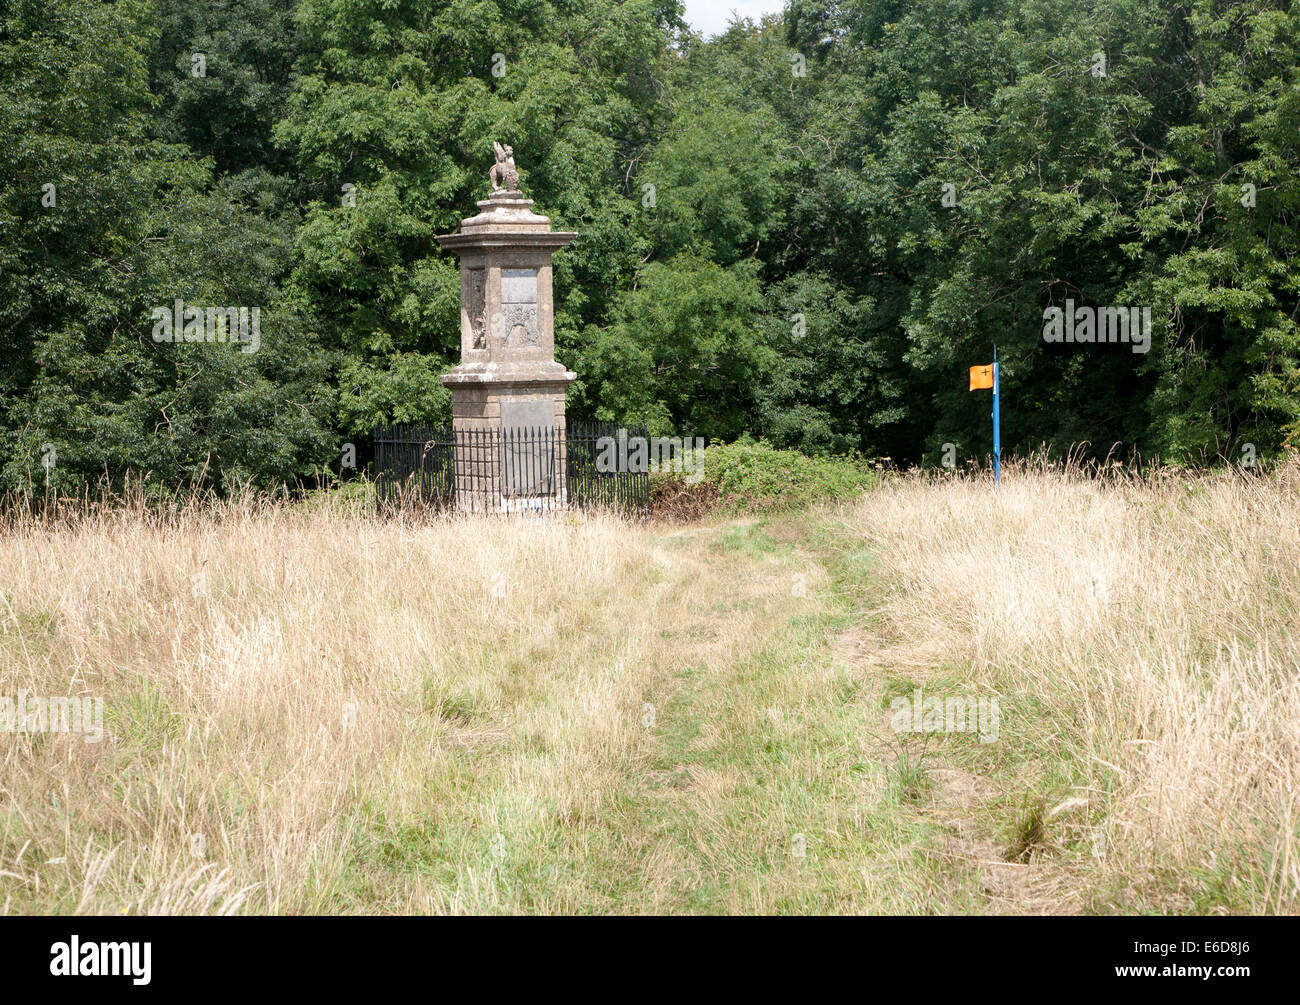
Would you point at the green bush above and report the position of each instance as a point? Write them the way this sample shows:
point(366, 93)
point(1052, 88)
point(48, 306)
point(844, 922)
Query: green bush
point(751, 475)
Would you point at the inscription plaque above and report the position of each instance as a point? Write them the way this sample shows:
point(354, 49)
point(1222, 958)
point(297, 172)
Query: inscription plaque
point(519, 321)
point(528, 448)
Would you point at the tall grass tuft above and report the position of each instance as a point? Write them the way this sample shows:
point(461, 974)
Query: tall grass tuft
point(1143, 634)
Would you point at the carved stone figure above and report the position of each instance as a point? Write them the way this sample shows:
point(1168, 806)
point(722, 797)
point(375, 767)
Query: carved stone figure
point(477, 307)
point(519, 326)
point(504, 175)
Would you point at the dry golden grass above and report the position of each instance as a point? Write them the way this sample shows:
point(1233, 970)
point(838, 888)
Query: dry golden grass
point(314, 710)
point(269, 674)
point(1143, 637)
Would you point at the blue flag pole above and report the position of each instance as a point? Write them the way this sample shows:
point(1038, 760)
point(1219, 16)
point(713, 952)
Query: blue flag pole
point(997, 425)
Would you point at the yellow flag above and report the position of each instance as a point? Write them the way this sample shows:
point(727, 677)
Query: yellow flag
point(981, 376)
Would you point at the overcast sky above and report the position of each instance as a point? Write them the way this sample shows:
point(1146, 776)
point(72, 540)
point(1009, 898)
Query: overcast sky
point(711, 16)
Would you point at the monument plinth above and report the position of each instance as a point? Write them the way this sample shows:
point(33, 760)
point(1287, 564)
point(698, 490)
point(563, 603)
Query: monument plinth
point(507, 382)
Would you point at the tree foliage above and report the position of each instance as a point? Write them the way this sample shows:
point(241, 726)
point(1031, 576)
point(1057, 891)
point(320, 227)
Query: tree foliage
point(803, 229)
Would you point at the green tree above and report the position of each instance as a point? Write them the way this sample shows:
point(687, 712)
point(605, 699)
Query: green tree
point(391, 123)
point(683, 354)
point(101, 223)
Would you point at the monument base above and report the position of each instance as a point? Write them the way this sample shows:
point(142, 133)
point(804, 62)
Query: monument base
point(508, 423)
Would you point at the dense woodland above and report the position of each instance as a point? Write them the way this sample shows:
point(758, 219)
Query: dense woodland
point(804, 230)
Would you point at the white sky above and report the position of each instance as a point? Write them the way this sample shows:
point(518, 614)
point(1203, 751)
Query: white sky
point(711, 16)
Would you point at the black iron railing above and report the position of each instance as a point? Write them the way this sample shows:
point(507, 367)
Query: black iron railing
point(517, 469)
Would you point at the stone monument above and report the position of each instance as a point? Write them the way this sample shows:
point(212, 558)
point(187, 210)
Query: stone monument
point(508, 384)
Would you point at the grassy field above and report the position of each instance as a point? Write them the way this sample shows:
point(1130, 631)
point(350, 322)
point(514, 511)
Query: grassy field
point(310, 710)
